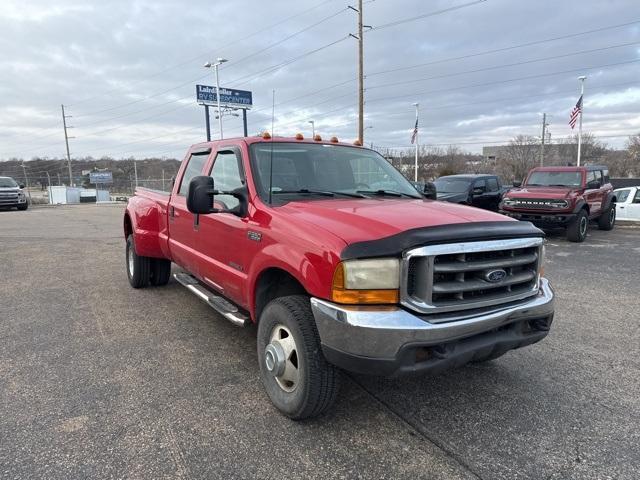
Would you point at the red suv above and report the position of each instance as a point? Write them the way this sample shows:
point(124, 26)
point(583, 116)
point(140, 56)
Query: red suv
point(566, 197)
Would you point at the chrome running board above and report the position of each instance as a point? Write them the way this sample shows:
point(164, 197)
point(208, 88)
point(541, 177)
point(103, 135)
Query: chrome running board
point(220, 304)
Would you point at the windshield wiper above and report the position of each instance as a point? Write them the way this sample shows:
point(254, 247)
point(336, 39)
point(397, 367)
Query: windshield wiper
point(389, 193)
point(558, 185)
point(305, 190)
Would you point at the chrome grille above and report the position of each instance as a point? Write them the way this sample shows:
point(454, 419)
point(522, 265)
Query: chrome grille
point(8, 197)
point(459, 276)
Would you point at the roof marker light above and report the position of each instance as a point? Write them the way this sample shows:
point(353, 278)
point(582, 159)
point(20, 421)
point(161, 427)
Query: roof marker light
point(334, 139)
point(299, 136)
point(317, 138)
point(266, 135)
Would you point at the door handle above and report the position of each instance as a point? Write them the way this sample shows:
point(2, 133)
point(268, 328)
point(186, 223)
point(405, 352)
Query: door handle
point(172, 213)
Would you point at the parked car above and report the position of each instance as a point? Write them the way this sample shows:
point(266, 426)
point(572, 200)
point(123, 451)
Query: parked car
point(628, 203)
point(289, 233)
point(12, 194)
point(482, 191)
point(565, 197)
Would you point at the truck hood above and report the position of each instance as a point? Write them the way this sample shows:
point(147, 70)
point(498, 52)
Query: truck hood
point(370, 219)
point(9, 189)
point(541, 192)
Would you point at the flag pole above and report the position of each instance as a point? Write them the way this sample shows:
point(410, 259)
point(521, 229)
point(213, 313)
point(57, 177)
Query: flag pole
point(415, 174)
point(582, 79)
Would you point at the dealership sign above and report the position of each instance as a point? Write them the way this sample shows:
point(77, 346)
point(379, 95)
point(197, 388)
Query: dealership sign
point(100, 177)
point(229, 97)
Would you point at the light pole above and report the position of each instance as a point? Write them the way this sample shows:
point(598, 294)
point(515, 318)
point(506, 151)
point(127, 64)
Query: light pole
point(313, 128)
point(215, 66)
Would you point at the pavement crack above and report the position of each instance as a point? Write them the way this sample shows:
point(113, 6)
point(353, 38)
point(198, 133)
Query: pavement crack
point(417, 429)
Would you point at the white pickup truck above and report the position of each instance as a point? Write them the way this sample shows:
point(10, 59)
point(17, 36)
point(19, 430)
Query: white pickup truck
point(628, 203)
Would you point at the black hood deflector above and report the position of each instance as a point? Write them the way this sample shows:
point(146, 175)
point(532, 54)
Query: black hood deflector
point(394, 245)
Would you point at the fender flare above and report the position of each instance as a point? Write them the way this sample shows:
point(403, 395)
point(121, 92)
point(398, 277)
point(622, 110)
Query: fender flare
point(608, 200)
point(580, 205)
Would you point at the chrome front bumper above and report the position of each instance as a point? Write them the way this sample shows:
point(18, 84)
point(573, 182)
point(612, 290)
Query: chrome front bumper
point(383, 336)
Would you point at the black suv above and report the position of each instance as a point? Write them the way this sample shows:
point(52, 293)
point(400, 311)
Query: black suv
point(482, 191)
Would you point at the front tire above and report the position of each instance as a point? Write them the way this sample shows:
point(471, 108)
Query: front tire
point(577, 230)
point(607, 220)
point(23, 206)
point(138, 268)
point(297, 378)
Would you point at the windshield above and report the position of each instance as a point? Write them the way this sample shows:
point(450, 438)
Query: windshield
point(555, 179)
point(6, 182)
point(313, 172)
point(451, 185)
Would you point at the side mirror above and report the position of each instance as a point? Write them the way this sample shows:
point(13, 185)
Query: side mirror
point(595, 184)
point(21, 185)
point(429, 191)
point(517, 183)
point(478, 191)
point(200, 195)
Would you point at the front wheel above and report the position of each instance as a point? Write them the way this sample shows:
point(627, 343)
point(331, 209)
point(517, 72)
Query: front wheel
point(138, 268)
point(577, 230)
point(294, 372)
point(23, 206)
point(607, 220)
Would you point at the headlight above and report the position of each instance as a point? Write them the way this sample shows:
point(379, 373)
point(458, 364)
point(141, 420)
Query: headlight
point(559, 203)
point(370, 281)
point(509, 202)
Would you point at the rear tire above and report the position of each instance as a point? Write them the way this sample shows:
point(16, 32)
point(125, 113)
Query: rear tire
point(138, 268)
point(577, 230)
point(295, 374)
point(607, 220)
point(160, 271)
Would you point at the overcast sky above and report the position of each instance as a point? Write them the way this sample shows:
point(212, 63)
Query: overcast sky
point(127, 71)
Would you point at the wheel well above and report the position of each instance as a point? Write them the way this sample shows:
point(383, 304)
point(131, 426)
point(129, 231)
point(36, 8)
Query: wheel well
point(128, 227)
point(274, 283)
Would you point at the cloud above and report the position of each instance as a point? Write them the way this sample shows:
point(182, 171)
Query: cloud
point(127, 71)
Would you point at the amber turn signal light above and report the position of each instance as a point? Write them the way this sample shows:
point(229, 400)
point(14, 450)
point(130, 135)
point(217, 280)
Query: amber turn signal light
point(340, 294)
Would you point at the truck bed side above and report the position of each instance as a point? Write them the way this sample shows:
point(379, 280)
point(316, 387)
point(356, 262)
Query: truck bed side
point(146, 218)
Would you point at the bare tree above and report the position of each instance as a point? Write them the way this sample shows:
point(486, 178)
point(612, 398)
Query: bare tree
point(521, 156)
point(591, 150)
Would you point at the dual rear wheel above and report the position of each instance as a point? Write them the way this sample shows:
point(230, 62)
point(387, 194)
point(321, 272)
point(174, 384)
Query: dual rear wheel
point(143, 271)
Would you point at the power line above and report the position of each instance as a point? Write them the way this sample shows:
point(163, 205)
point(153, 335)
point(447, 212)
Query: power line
point(431, 14)
point(494, 67)
point(504, 49)
point(192, 59)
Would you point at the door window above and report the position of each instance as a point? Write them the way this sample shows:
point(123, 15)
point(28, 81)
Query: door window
point(636, 199)
point(193, 169)
point(492, 184)
point(622, 195)
point(226, 176)
point(480, 184)
point(598, 176)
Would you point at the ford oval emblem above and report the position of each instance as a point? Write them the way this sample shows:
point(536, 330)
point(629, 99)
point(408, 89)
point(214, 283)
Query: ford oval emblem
point(495, 276)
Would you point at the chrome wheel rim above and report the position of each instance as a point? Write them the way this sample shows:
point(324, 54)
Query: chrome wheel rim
point(583, 226)
point(130, 261)
point(281, 358)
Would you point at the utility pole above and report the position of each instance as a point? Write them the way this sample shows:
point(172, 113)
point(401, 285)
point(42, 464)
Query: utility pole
point(135, 170)
point(66, 142)
point(415, 174)
point(163, 179)
point(59, 181)
point(49, 185)
point(544, 128)
point(360, 39)
point(313, 128)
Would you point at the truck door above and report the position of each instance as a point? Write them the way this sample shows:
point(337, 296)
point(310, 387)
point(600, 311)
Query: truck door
point(225, 246)
point(493, 193)
point(480, 195)
point(181, 226)
point(594, 196)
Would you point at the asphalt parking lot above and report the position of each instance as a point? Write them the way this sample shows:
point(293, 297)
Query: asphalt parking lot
point(98, 380)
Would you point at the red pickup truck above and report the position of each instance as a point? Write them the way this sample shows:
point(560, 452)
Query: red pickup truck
point(340, 262)
point(564, 197)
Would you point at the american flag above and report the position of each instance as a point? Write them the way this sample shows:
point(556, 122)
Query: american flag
point(573, 118)
point(415, 133)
